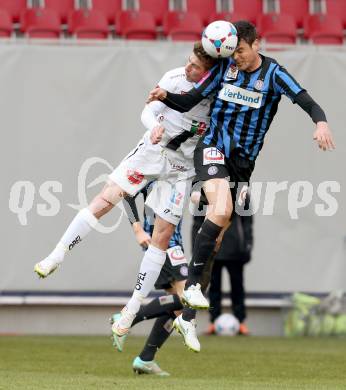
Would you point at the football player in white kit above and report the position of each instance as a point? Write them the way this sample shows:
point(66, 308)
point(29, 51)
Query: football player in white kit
point(164, 154)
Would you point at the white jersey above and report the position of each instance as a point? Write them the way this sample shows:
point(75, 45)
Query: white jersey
point(182, 130)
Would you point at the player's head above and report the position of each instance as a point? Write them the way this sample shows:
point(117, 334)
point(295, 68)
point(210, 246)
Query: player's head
point(198, 64)
point(246, 54)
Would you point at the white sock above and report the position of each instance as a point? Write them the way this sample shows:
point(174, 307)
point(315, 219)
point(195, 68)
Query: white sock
point(149, 271)
point(80, 226)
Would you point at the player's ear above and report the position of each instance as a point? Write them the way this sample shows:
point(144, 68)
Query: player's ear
point(256, 44)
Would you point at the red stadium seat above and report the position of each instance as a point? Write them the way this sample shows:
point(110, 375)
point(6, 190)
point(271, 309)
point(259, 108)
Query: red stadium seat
point(109, 8)
point(323, 29)
point(5, 24)
point(229, 16)
point(337, 8)
point(88, 24)
point(40, 23)
point(277, 28)
point(203, 8)
point(250, 9)
point(136, 25)
point(62, 7)
point(14, 8)
point(299, 9)
point(182, 26)
point(158, 8)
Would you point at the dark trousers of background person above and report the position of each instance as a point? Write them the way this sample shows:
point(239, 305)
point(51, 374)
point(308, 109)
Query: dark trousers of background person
point(237, 292)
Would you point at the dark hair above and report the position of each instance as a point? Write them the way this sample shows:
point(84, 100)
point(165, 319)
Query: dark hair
point(246, 31)
point(203, 56)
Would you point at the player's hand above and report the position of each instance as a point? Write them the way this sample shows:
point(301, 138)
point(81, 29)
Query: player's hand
point(156, 134)
point(323, 136)
point(142, 237)
point(157, 94)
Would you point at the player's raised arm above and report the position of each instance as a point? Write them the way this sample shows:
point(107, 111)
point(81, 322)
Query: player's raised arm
point(288, 86)
point(322, 134)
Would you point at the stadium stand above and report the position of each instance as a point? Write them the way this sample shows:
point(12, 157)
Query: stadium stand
point(250, 9)
point(182, 26)
point(5, 24)
point(204, 12)
point(109, 8)
point(336, 8)
point(323, 29)
point(14, 8)
point(88, 24)
point(133, 24)
point(277, 28)
point(177, 19)
point(298, 9)
point(158, 8)
point(226, 15)
point(40, 23)
point(62, 7)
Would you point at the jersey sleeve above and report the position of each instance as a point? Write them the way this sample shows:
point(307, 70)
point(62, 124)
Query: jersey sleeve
point(285, 84)
point(211, 80)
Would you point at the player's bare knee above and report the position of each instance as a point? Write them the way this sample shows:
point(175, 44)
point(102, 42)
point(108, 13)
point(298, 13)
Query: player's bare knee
point(112, 193)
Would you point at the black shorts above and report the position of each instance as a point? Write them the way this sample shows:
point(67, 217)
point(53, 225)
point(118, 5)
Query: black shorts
point(211, 163)
point(170, 273)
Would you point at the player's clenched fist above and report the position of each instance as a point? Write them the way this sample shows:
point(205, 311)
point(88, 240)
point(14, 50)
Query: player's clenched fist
point(157, 94)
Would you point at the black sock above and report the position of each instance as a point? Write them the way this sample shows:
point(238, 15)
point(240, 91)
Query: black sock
point(158, 307)
point(189, 314)
point(159, 334)
point(202, 250)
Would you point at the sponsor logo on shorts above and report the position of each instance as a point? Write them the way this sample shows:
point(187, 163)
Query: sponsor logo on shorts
point(213, 170)
point(176, 255)
point(213, 156)
point(184, 270)
point(74, 242)
point(134, 177)
point(178, 167)
point(176, 198)
point(233, 94)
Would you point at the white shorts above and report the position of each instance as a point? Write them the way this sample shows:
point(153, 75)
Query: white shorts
point(171, 171)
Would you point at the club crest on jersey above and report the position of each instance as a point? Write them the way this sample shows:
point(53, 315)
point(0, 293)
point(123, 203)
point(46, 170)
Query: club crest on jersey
point(134, 177)
point(213, 156)
point(259, 85)
point(232, 72)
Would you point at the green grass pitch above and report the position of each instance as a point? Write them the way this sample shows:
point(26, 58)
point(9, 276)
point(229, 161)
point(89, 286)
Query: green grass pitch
point(82, 363)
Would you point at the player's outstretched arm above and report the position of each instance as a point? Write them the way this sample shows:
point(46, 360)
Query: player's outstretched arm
point(176, 101)
point(323, 136)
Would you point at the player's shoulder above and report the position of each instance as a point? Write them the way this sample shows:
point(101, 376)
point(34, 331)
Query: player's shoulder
point(175, 74)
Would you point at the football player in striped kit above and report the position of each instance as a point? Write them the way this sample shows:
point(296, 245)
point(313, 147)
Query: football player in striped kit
point(249, 87)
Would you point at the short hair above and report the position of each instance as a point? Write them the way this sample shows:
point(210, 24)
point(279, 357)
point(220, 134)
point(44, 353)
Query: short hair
point(207, 60)
point(246, 31)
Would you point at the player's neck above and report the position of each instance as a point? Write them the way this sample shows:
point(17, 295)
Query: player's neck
point(256, 65)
